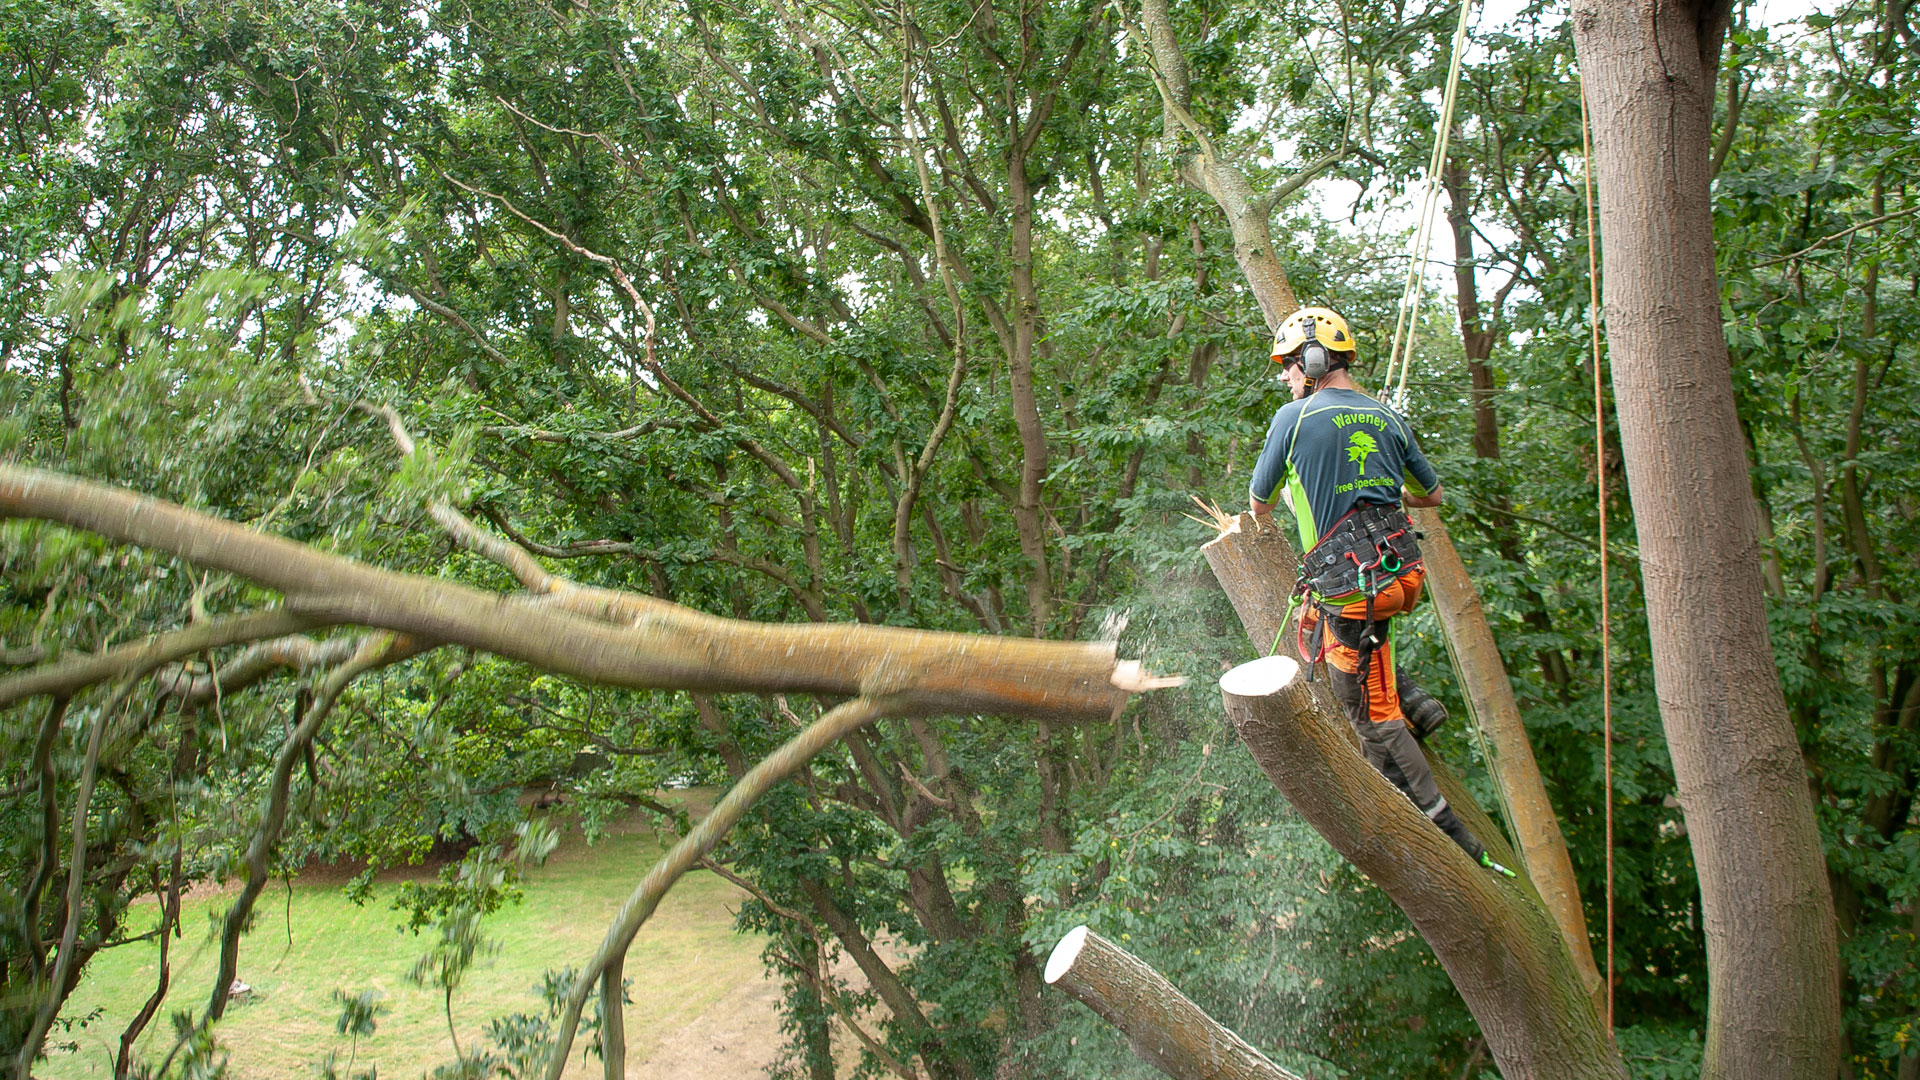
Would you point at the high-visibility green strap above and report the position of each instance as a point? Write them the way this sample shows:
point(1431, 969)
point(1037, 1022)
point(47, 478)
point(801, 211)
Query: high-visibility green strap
point(1293, 604)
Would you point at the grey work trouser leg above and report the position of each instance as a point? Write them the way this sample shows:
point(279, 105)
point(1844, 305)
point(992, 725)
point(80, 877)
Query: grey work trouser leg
point(1391, 748)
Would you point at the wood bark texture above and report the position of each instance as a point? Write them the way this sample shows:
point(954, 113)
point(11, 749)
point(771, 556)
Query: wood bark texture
point(1162, 1025)
point(1484, 675)
point(1772, 960)
point(659, 645)
point(1503, 952)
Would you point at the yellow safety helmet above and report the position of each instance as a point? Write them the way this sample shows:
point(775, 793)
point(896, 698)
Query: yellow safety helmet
point(1323, 325)
point(1319, 339)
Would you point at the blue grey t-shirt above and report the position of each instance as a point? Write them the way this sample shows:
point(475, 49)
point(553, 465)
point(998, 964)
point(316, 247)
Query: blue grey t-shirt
point(1330, 451)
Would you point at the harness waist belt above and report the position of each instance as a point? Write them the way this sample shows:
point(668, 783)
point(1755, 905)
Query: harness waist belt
point(1370, 545)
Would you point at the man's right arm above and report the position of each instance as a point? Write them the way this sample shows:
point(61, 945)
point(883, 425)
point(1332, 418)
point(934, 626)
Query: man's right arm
point(1422, 483)
point(1268, 472)
point(1411, 501)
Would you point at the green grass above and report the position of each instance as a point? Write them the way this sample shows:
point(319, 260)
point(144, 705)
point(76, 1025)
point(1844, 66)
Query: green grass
point(686, 958)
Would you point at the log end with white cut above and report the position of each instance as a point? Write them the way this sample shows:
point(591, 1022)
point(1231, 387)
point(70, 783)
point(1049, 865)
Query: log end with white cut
point(1259, 678)
point(1065, 953)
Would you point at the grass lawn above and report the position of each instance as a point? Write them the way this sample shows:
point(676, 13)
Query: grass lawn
point(685, 959)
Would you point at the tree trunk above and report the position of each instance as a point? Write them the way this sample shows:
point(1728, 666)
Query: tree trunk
point(1772, 962)
point(1165, 1028)
point(1255, 565)
point(1504, 954)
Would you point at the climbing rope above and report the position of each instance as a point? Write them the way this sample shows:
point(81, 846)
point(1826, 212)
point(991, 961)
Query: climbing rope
point(1600, 499)
point(1400, 357)
point(1399, 361)
point(1486, 751)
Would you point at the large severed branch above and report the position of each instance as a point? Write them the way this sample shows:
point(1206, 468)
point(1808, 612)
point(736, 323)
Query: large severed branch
point(1503, 952)
point(655, 644)
point(771, 770)
point(1162, 1025)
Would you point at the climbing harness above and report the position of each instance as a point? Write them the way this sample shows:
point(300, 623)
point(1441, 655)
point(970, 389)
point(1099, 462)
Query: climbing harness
point(1367, 549)
point(1369, 546)
point(1407, 321)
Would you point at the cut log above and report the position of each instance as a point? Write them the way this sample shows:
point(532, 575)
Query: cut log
point(1162, 1025)
point(1504, 954)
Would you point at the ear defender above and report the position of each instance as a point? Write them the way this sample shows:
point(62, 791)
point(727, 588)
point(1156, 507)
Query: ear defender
point(1315, 360)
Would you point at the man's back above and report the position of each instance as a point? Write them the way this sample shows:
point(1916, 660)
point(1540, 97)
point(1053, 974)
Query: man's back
point(1334, 449)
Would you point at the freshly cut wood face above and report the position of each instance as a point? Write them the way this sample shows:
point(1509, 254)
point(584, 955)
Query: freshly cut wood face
point(1258, 678)
point(1065, 953)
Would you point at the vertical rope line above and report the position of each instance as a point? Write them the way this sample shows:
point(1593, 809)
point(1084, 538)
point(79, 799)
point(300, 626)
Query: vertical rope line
point(1486, 751)
point(1404, 322)
point(1600, 499)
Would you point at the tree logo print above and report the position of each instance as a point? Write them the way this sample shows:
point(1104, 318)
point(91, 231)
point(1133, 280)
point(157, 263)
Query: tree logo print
point(1359, 445)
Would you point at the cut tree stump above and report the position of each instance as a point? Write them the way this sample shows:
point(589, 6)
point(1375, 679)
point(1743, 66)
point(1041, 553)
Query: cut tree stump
point(1164, 1027)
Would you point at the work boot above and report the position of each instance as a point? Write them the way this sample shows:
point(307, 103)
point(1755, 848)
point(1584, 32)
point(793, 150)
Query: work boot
point(1486, 860)
point(1424, 712)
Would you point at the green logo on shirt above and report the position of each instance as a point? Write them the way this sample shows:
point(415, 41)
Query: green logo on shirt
point(1359, 445)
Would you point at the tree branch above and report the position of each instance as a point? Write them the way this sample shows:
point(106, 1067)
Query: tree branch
point(615, 638)
point(698, 844)
point(251, 666)
point(1841, 235)
point(372, 651)
point(64, 677)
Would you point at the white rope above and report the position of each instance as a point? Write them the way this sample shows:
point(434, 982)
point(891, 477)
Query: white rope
point(1408, 318)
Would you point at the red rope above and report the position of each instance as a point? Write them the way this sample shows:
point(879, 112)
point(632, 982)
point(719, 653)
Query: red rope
point(1600, 489)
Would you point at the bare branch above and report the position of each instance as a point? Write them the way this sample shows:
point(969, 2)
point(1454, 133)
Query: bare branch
point(65, 969)
point(64, 677)
point(459, 321)
point(49, 837)
point(1841, 235)
point(251, 666)
point(577, 550)
point(773, 769)
point(372, 651)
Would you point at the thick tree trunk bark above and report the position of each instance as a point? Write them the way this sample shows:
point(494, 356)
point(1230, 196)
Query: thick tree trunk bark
point(1164, 1027)
point(1772, 962)
point(1503, 952)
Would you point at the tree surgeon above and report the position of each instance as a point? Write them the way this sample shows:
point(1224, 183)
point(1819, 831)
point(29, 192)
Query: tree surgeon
point(1346, 465)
